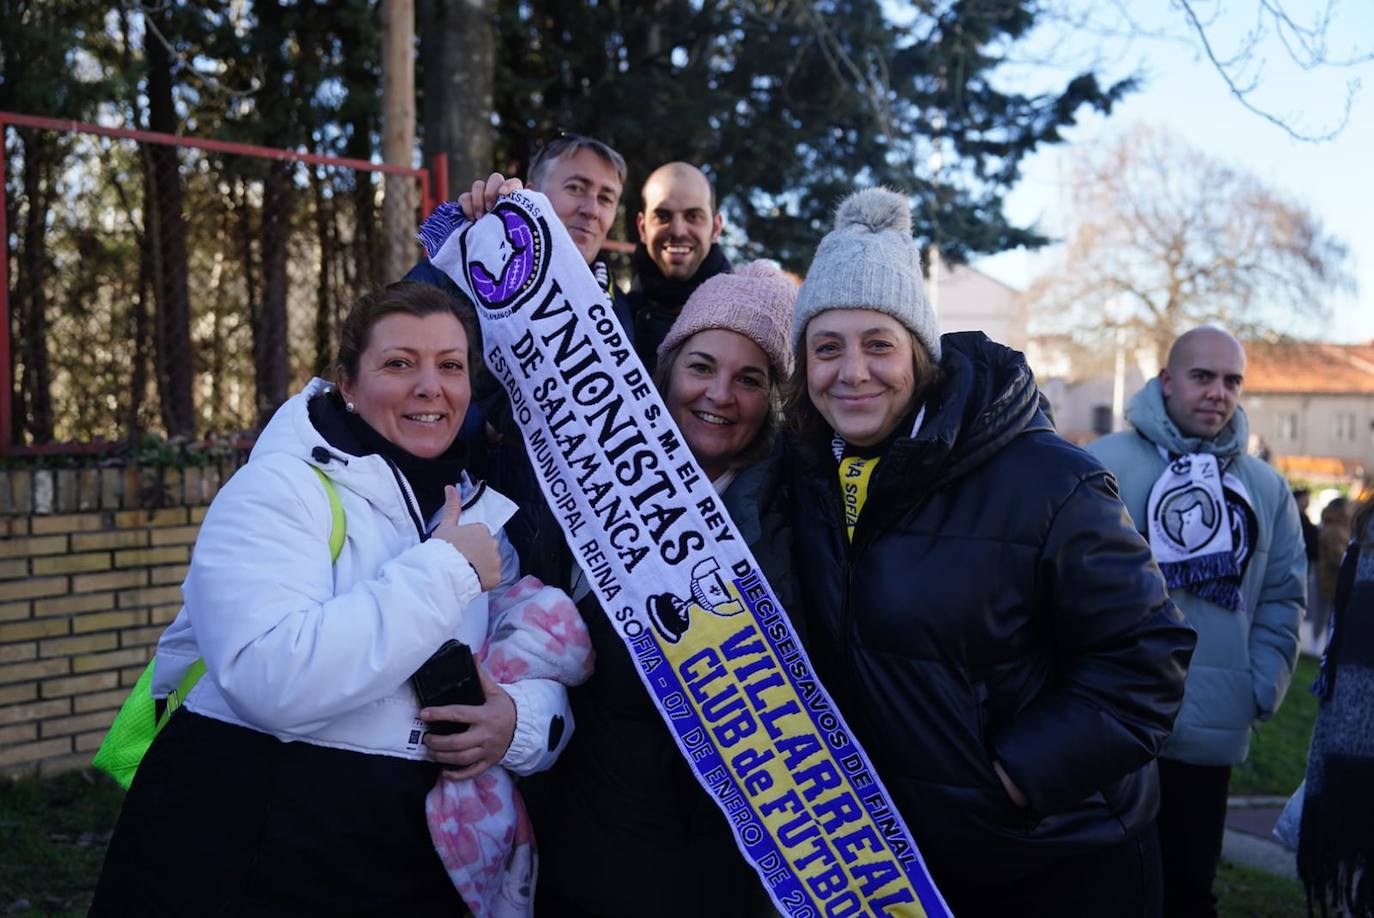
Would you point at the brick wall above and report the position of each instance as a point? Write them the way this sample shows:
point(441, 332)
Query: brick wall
point(91, 564)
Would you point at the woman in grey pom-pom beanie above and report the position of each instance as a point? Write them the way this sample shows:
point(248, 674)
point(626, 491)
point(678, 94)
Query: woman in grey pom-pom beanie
point(989, 621)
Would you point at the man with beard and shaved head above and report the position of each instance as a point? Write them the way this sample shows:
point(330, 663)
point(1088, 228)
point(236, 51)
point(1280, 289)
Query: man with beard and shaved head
point(1224, 529)
point(677, 250)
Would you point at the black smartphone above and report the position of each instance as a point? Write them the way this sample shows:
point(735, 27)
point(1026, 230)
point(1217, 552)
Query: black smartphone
point(448, 677)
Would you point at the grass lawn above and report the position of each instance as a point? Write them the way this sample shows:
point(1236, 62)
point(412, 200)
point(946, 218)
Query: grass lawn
point(1278, 750)
point(52, 840)
point(1245, 893)
point(53, 831)
point(53, 834)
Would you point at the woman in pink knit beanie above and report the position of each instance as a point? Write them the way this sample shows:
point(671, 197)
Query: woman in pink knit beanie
point(624, 828)
point(722, 365)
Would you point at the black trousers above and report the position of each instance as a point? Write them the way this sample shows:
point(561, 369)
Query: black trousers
point(222, 820)
point(1121, 881)
point(1192, 821)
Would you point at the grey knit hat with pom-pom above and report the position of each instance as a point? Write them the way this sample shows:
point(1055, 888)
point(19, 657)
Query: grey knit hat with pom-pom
point(869, 261)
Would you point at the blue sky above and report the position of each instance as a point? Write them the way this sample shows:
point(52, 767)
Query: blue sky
point(1182, 92)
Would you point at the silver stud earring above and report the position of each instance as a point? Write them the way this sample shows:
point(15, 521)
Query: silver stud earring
point(351, 408)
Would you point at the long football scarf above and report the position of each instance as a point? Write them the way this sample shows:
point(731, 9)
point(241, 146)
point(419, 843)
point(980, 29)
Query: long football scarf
point(714, 649)
point(1201, 528)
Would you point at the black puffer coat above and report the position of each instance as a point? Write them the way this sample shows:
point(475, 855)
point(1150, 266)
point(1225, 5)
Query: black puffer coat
point(624, 828)
point(996, 604)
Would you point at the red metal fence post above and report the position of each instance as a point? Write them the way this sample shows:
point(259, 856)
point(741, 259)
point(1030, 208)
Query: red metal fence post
point(438, 171)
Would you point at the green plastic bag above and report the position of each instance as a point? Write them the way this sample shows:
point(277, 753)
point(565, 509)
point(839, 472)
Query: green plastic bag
point(137, 723)
point(138, 720)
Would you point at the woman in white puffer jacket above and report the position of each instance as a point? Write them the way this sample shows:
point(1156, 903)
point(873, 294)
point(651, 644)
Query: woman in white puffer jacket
point(294, 780)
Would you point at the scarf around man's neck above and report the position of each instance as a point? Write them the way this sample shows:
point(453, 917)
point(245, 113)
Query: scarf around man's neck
point(666, 292)
point(605, 277)
point(1200, 519)
point(1193, 527)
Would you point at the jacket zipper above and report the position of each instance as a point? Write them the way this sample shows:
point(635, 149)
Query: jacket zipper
point(410, 504)
point(323, 456)
point(853, 552)
point(846, 644)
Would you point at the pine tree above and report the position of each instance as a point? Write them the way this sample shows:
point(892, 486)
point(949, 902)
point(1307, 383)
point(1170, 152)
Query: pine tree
point(790, 106)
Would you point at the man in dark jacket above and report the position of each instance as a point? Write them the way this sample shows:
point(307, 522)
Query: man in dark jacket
point(582, 178)
point(677, 250)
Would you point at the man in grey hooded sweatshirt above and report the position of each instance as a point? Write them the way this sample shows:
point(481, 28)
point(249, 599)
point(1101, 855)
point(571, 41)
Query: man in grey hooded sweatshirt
point(1225, 531)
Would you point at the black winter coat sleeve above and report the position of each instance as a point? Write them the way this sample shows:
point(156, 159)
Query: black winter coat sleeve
point(1121, 654)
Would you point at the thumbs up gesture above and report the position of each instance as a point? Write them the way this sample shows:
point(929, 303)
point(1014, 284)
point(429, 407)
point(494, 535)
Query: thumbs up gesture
point(474, 541)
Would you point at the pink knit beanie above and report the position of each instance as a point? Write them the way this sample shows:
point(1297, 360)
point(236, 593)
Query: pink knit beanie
point(755, 301)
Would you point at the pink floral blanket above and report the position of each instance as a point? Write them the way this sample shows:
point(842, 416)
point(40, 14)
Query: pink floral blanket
point(479, 825)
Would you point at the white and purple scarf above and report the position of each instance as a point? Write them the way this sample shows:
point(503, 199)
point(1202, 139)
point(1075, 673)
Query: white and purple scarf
point(1201, 528)
point(714, 649)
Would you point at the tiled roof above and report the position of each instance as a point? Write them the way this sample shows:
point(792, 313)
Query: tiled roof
point(1319, 467)
point(1304, 367)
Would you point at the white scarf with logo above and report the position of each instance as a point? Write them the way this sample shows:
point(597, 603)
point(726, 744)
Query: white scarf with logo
point(1195, 529)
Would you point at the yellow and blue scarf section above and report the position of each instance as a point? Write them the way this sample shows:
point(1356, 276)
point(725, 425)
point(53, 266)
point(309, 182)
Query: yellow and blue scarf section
point(855, 474)
point(856, 467)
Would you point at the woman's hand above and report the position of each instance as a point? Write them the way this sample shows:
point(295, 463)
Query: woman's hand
point(1009, 786)
point(474, 541)
point(491, 727)
point(484, 195)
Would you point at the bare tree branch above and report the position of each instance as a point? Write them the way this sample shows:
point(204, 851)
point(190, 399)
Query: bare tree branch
point(1273, 43)
point(1165, 237)
point(182, 66)
point(1306, 47)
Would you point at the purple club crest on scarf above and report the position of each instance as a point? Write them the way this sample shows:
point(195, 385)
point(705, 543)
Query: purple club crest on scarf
point(500, 261)
point(503, 256)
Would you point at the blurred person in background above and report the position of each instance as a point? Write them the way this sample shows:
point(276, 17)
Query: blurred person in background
point(1332, 537)
point(1336, 838)
point(1303, 498)
point(1224, 528)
